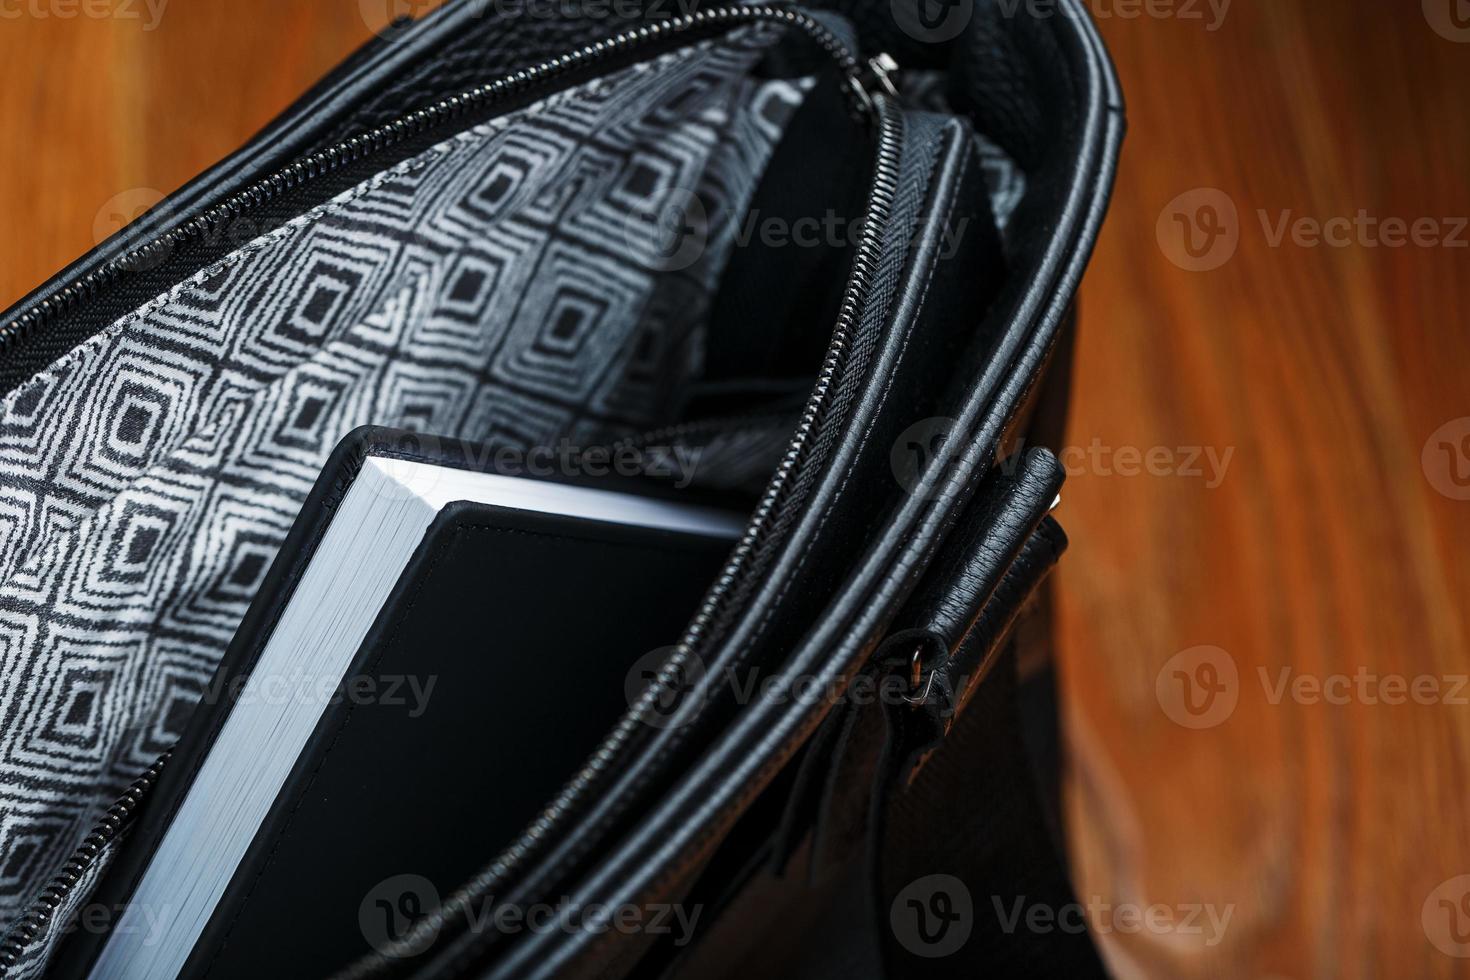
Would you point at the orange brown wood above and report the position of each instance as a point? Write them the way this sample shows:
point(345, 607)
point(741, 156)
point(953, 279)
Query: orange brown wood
point(1326, 548)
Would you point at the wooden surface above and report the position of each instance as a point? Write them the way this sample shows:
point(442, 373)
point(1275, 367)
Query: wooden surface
point(1326, 548)
point(104, 115)
point(1314, 538)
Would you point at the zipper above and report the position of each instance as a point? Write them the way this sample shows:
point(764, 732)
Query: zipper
point(713, 20)
point(868, 90)
point(747, 550)
point(37, 916)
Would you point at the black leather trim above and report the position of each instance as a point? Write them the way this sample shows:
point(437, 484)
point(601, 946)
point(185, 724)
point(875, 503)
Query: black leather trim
point(943, 616)
point(969, 566)
point(1065, 209)
point(817, 550)
point(971, 814)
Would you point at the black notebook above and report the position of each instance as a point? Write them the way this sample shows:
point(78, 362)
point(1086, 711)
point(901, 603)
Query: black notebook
point(436, 648)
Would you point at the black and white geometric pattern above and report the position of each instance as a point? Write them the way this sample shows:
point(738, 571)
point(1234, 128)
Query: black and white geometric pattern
point(494, 287)
point(35, 955)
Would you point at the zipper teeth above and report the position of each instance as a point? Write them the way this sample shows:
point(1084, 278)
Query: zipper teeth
point(35, 919)
point(355, 148)
point(885, 186)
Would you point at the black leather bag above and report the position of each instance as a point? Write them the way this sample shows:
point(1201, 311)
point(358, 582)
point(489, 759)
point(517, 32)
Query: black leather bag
point(831, 249)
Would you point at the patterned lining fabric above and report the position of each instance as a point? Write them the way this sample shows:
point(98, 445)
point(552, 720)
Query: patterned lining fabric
point(500, 286)
point(35, 956)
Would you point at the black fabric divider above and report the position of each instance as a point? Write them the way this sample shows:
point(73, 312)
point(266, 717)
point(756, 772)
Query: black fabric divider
point(787, 278)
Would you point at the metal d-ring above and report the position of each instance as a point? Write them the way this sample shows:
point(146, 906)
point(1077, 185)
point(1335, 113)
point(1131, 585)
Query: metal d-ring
point(916, 674)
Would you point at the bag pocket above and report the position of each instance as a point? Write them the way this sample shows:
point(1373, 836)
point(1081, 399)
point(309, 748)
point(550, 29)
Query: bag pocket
point(369, 306)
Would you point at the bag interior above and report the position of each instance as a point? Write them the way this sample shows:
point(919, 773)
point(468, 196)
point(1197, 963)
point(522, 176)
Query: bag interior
point(567, 273)
point(533, 281)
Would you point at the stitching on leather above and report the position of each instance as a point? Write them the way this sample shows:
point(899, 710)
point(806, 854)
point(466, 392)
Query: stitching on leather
point(644, 779)
point(866, 437)
point(745, 795)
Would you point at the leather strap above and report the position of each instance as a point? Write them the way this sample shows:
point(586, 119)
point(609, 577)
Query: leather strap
point(964, 876)
point(960, 869)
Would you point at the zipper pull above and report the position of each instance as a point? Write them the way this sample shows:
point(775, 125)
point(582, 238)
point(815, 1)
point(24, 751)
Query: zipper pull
point(876, 80)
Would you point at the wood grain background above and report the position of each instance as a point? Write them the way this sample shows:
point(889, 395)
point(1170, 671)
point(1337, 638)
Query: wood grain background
point(1260, 452)
point(1326, 548)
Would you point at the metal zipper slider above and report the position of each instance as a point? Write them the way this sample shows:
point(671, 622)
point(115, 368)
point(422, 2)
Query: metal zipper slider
point(875, 80)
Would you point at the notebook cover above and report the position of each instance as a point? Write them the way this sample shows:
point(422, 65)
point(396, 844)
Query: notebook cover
point(153, 816)
point(528, 625)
